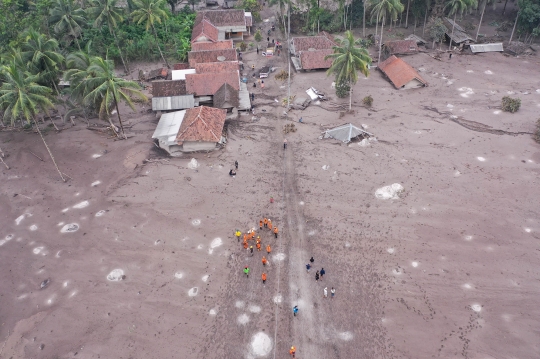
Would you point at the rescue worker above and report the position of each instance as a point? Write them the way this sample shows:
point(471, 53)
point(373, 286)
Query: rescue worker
point(264, 261)
point(246, 271)
point(270, 224)
point(245, 237)
point(238, 234)
point(265, 221)
point(261, 224)
point(293, 351)
point(258, 246)
point(275, 231)
point(245, 244)
point(251, 251)
point(263, 277)
point(268, 249)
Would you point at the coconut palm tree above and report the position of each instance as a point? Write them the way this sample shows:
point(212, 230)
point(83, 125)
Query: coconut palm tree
point(42, 58)
point(282, 4)
point(348, 58)
point(150, 12)
point(383, 9)
point(68, 16)
point(106, 12)
point(21, 98)
point(104, 89)
point(484, 3)
point(460, 6)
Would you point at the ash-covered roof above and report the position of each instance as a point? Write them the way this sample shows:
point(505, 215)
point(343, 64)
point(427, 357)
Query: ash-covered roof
point(315, 59)
point(222, 18)
point(206, 46)
point(196, 57)
point(226, 96)
point(164, 88)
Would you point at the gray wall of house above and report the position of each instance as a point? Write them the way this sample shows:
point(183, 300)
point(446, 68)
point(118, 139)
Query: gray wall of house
point(413, 84)
point(190, 146)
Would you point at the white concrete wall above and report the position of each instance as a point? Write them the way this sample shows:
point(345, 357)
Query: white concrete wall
point(413, 84)
point(190, 146)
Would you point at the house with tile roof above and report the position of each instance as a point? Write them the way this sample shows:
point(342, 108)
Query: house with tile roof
point(217, 67)
point(204, 31)
point(401, 74)
point(309, 52)
point(231, 23)
point(207, 84)
point(399, 47)
point(194, 129)
point(209, 45)
point(197, 57)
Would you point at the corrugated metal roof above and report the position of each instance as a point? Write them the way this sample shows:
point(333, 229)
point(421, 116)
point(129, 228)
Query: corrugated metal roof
point(344, 133)
point(497, 46)
point(168, 126)
point(459, 34)
point(172, 103)
point(181, 74)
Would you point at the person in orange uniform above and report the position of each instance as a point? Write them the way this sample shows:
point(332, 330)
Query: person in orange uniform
point(270, 224)
point(261, 222)
point(268, 249)
point(245, 237)
point(263, 277)
point(264, 261)
point(245, 244)
point(265, 221)
point(275, 231)
point(259, 246)
point(292, 351)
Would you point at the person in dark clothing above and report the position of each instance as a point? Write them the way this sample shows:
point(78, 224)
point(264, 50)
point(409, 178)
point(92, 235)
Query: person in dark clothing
point(257, 50)
point(268, 38)
point(317, 276)
point(295, 310)
point(450, 56)
point(308, 267)
point(236, 164)
point(323, 272)
point(231, 173)
point(312, 260)
point(254, 84)
point(252, 96)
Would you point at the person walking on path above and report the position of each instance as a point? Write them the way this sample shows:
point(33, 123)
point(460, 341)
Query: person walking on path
point(275, 231)
point(311, 260)
point(308, 267)
point(317, 276)
point(265, 221)
point(332, 293)
point(251, 251)
point(264, 261)
point(260, 224)
point(325, 292)
point(263, 277)
point(323, 272)
point(285, 144)
point(295, 310)
point(257, 50)
point(293, 351)
point(246, 271)
point(252, 97)
point(268, 249)
point(236, 164)
point(237, 233)
point(259, 246)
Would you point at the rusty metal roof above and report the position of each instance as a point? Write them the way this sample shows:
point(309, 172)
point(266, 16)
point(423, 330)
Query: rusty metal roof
point(202, 124)
point(399, 72)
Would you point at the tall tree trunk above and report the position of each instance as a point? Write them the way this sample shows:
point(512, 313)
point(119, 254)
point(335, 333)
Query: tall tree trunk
point(350, 95)
point(364, 20)
point(318, 15)
point(120, 51)
point(504, 8)
point(407, 16)
point(49, 150)
point(376, 27)
point(481, 17)
point(119, 118)
point(453, 25)
point(380, 43)
point(514, 28)
point(425, 20)
point(159, 48)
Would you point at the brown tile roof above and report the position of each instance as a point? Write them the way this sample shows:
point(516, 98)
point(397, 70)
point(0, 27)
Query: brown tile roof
point(305, 43)
point(204, 124)
point(217, 67)
point(207, 84)
point(226, 96)
point(315, 59)
point(181, 66)
point(196, 57)
point(166, 88)
point(204, 29)
point(399, 72)
point(400, 47)
point(231, 17)
point(218, 45)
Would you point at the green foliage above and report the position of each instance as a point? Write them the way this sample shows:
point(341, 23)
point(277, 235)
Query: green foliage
point(258, 36)
point(436, 29)
point(529, 17)
point(243, 46)
point(509, 104)
point(343, 89)
point(367, 101)
point(68, 19)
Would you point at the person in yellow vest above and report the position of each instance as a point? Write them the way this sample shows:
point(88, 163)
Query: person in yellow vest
point(238, 234)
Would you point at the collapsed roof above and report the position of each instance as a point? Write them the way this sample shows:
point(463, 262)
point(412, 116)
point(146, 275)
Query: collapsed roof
point(345, 133)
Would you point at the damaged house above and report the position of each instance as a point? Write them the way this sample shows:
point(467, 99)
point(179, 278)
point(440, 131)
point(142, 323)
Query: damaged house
point(401, 74)
point(309, 52)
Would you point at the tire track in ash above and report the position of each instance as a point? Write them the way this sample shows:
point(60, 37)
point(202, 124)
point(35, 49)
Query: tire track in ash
point(303, 332)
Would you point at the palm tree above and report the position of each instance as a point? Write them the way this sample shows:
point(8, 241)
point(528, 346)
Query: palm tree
point(106, 11)
point(106, 90)
point(42, 58)
point(348, 59)
point(77, 64)
point(383, 9)
point(21, 98)
point(67, 16)
point(460, 6)
point(485, 3)
point(282, 4)
point(150, 12)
